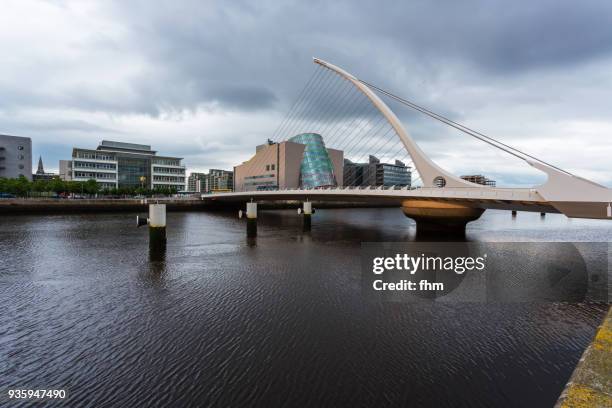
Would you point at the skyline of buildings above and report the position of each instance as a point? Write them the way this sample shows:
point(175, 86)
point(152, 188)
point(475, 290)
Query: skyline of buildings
point(274, 166)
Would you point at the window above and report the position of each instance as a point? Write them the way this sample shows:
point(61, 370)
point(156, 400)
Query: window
point(21, 157)
point(19, 147)
point(273, 167)
point(267, 167)
point(21, 166)
point(439, 182)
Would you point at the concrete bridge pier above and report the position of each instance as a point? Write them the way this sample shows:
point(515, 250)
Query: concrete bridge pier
point(434, 217)
point(251, 213)
point(157, 227)
point(307, 214)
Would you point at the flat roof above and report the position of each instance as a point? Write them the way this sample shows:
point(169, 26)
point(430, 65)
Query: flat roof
point(16, 137)
point(122, 145)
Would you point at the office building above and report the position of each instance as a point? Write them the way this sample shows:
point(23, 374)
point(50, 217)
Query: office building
point(118, 164)
point(215, 181)
point(40, 172)
point(218, 181)
point(302, 161)
point(15, 157)
point(375, 173)
point(479, 179)
point(196, 182)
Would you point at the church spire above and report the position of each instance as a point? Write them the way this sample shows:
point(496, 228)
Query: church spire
point(40, 170)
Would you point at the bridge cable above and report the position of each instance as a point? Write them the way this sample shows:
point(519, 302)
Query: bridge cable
point(461, 127)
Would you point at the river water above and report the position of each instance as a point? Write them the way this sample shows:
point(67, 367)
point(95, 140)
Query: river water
point(223, 321)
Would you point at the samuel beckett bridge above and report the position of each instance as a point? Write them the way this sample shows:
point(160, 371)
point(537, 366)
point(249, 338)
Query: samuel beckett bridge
point(347, 118)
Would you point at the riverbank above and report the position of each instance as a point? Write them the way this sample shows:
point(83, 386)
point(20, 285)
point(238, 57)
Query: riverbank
point(71, 206)
point(590, 385)
point(102, 205)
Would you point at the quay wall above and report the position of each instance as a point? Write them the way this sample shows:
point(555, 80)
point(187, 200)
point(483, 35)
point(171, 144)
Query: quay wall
point(591, 383)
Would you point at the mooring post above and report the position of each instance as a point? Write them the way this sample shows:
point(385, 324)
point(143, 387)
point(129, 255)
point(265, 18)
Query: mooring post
point(157, 225)
point(542, 214)
point(307, 215)
point(251, 213)
point(513, 213)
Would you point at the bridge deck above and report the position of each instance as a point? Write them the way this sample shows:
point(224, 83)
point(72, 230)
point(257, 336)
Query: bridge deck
point(487, 198)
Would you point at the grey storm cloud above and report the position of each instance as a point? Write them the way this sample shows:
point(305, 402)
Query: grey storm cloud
point(511, 69)
point(248, 55)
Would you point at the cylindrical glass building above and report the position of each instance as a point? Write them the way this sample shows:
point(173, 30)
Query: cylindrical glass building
point(316, 169)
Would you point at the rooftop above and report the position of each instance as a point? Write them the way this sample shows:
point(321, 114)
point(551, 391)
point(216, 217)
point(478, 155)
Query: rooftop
point(111, 145)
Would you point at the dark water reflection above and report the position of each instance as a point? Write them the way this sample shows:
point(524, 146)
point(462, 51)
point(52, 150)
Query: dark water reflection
point(219, 320)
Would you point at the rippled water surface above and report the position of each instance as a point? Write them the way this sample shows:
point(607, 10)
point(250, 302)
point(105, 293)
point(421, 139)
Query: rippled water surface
point(279, 321)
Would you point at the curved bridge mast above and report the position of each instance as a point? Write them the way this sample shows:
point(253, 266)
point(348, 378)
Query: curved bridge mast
point(428, 170)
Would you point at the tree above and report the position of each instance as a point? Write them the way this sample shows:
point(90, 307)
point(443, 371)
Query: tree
point(91, 186)
point(57, 186)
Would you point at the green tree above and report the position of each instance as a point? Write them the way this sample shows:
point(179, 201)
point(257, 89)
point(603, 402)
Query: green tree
point(91, 187)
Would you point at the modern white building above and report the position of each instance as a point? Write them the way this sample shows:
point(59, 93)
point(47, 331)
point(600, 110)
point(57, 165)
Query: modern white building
point(118, 164)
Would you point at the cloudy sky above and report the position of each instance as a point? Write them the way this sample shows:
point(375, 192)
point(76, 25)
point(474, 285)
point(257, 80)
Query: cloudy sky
point(208, 81)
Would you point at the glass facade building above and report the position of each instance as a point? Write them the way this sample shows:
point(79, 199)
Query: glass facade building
point(316, 169)
point(375, 173)
point(118, 164)
point(131, 169)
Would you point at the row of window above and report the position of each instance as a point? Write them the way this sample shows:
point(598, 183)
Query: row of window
point(82, 174)
point(260, 176)
point(168, 170)
point(270, 167)
point(95, 156)
point(260, 183)
point(169, 178)
point(93, 165)
point(179, 187)
point(167, 162)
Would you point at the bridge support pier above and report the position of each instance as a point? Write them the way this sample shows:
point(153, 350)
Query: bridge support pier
point(157, 227)
point(251, 213)
point(434, 217)
point(307, 216)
